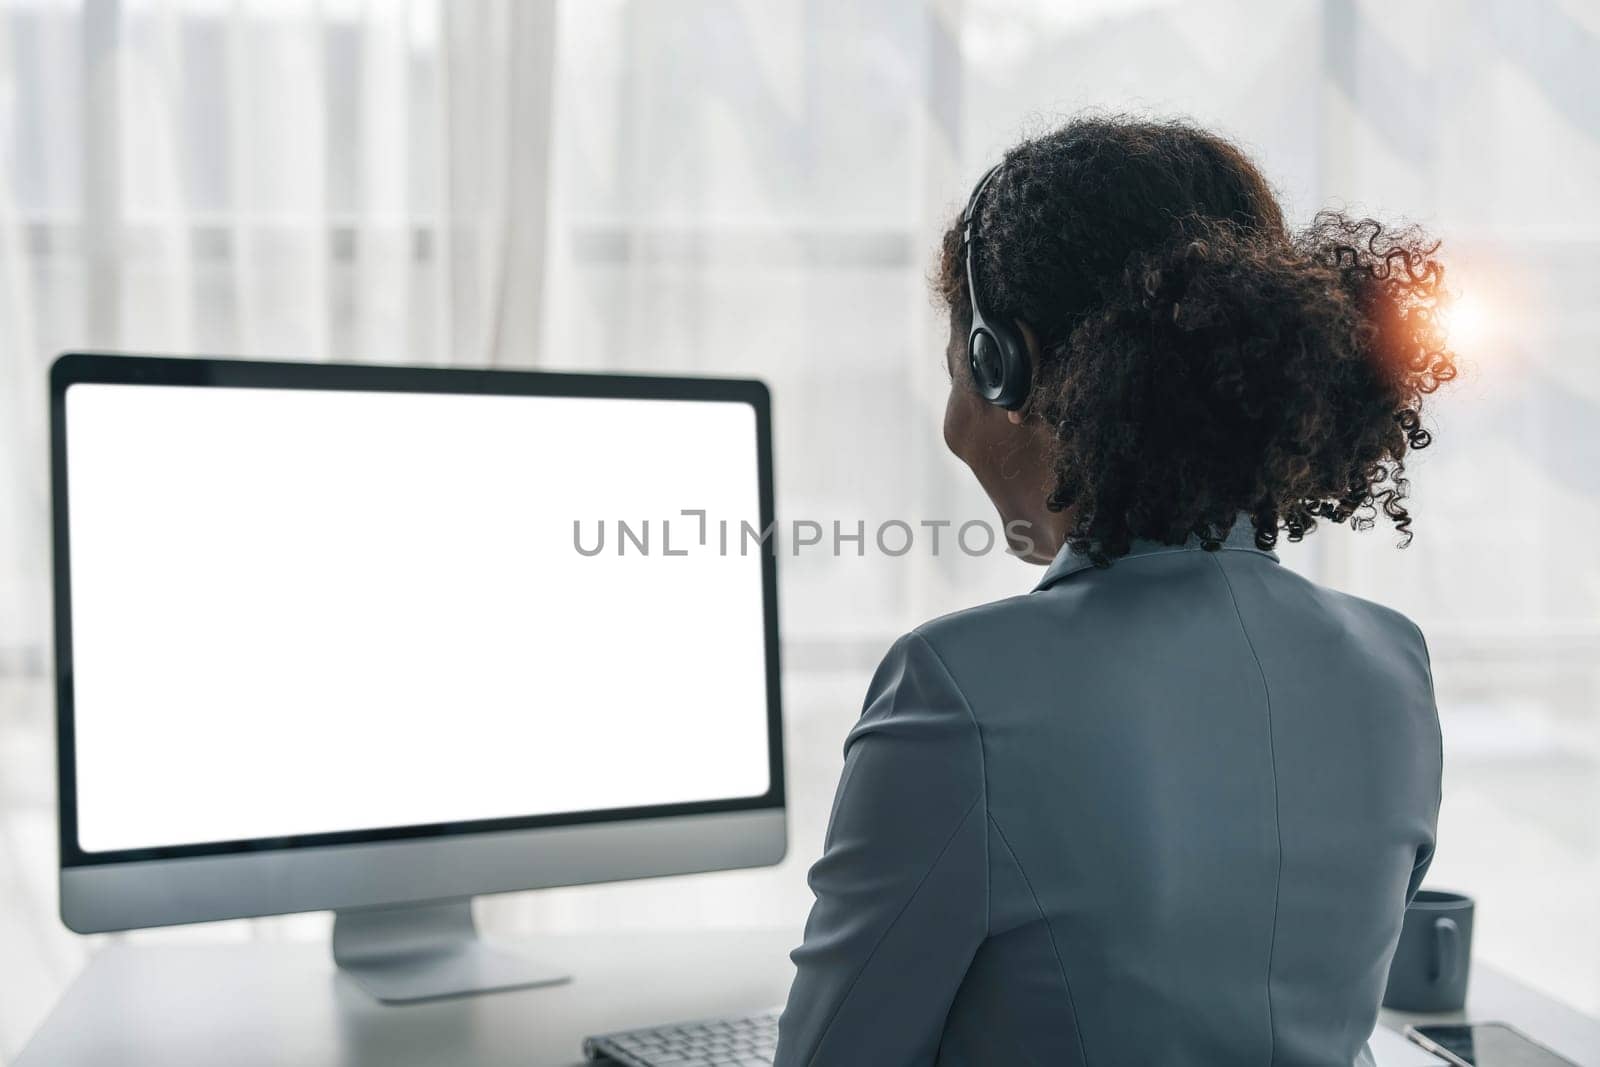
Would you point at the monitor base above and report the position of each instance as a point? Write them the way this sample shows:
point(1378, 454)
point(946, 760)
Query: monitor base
point(426, 951)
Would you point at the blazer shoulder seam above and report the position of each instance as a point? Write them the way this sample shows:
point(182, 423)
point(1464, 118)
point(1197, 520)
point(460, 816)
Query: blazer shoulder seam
point(983, 771)
point(1277, 816)
point(822, 1039)
point(1049, 931)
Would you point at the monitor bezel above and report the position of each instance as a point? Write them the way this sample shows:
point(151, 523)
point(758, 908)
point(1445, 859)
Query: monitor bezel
point(75, 368)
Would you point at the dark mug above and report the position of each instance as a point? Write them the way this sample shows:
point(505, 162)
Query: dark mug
point(1431, 962)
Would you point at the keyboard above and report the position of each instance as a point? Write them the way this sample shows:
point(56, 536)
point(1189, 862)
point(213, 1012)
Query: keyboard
point(750, 1041)
point(741, 1042)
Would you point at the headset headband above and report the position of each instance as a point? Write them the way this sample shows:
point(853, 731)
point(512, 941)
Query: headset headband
point(971, 211)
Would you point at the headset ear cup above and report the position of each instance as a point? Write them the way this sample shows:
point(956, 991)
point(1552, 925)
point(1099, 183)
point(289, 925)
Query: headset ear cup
point(986, 362)
point(1018, 380)
point(1001, 369)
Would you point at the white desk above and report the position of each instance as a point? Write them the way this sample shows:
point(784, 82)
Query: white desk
point(285, 1004)
point(260, 1004)
point(1496, 997)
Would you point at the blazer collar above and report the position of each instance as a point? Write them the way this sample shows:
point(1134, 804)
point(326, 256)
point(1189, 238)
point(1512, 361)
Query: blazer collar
point(1242, 538)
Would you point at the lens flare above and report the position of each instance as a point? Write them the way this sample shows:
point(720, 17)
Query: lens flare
point(1466, 322)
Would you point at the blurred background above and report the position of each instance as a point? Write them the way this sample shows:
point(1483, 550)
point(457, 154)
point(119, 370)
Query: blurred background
point(756, 188)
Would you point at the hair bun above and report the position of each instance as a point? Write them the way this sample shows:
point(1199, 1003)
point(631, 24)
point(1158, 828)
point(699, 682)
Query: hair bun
point(1236, 371)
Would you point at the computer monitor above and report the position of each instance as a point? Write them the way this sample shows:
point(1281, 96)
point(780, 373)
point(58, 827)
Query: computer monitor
point(376, 639)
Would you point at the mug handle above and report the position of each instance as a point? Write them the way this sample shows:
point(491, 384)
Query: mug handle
point(1446, 948)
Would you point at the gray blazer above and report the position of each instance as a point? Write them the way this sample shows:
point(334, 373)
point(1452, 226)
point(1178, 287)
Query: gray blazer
point(1166, 812)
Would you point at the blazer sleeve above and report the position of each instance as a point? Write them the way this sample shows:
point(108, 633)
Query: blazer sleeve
point(902, 886)
point(1425, 850)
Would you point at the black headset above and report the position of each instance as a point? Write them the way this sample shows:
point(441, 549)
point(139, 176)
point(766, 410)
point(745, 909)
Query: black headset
point(995, 350)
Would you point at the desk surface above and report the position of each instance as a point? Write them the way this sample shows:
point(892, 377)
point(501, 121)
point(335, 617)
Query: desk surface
point(285, 1003)
point(273, 1003)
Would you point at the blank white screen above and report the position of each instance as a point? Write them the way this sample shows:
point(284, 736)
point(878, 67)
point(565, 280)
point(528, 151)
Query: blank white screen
point(306, 611)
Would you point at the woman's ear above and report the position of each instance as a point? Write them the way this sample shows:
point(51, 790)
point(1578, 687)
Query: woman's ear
point(1031, 340)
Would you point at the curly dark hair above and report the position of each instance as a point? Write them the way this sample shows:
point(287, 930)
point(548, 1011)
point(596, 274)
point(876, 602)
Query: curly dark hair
point(1199, 361)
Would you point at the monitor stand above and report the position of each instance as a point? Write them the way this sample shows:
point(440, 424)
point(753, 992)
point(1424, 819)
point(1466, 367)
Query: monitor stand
point(426, 951)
